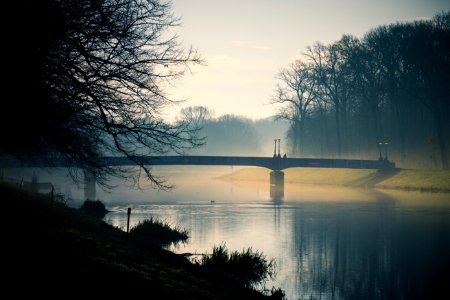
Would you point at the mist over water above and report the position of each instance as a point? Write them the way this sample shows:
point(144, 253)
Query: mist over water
point(328, 242)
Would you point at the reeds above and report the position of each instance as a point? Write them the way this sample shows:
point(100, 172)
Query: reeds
point(249, 267)
point(155, 231)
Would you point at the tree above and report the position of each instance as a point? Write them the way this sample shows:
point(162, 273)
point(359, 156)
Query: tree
point(196, 114)
point(331, 75)
point(88, 78)
point(296, 91)
point(427, 53)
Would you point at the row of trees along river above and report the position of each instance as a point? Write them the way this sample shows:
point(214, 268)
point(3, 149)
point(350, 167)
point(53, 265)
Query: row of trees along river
point(390, 86)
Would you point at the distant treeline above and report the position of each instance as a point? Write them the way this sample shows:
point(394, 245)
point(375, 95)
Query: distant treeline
point(232, 134)
point(392, 86)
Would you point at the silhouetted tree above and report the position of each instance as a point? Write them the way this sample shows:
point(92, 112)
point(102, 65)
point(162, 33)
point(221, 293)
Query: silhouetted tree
point(427, 53)
point(87, 79)
point(390, 86)
point(332, 80)
point(295, 93)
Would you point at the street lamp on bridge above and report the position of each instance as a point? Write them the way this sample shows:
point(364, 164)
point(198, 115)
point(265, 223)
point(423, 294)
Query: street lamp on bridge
point(380, 145)
point(275, 148)
point(385, 151)
point(279, 152)
point(380, 150)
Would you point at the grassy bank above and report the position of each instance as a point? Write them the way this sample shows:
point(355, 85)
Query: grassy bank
point(424, 180)
point(54, 250)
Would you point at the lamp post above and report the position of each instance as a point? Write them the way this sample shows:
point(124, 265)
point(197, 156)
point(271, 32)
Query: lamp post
point(279, 155)
point(275, 148)
point(380, 144)
point(385, 151)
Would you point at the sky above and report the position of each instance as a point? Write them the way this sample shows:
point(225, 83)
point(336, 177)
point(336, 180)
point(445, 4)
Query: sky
point(245, 43)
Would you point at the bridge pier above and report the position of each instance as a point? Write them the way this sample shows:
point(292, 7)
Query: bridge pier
point(89, 186)
point(277, 185)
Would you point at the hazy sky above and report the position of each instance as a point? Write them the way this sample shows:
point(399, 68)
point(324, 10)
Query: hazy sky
point(246, 42)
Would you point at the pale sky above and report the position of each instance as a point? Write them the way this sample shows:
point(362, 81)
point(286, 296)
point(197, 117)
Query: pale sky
point(246, 42)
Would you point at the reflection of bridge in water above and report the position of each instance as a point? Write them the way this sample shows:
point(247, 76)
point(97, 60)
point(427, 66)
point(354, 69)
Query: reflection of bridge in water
point(275, 163)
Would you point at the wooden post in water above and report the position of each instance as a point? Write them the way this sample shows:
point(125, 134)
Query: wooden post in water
point(128, 219)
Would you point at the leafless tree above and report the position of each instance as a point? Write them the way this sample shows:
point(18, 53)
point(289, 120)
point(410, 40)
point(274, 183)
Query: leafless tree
point(332, 79)
point(295, 92)
point(98, 71)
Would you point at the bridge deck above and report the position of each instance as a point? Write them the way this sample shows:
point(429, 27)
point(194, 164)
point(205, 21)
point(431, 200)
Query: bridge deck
point(265, 162)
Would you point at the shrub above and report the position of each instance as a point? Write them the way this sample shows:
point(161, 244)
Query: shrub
point(94, 208)
point(154, 231)
point(249, 267)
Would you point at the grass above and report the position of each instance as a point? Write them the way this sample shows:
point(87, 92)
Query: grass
point(155, 231)
point(424, 180)
point(419, 180)
point(55, 251)
point(249, 267)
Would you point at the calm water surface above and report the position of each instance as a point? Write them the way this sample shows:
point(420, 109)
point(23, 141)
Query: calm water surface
point(328, 243)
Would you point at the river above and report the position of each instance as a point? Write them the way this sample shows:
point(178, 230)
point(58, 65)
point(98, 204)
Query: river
point(327, 242)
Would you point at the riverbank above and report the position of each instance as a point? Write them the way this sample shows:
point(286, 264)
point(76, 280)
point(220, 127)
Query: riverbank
point(54, 250)
point(419, 180)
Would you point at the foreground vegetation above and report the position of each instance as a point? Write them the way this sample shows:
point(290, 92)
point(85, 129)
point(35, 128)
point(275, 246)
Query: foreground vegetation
point(423, 180)
point(157, 232)
point(54, 250)
point(249, 267)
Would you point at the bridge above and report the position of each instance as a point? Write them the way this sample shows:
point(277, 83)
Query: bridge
point(275, 163)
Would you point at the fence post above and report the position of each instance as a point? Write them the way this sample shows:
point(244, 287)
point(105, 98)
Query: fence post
point(128, 219)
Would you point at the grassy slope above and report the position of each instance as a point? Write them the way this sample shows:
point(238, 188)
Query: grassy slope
point(52, 250)
point(395, 179)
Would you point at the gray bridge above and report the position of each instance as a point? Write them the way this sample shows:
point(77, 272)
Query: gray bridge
point(273, 163)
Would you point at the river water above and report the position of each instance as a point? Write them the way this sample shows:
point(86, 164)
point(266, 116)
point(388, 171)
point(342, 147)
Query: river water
point(327, 242)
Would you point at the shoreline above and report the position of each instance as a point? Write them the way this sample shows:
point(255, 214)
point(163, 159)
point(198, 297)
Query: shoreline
point(427, 181)
point(58, 248)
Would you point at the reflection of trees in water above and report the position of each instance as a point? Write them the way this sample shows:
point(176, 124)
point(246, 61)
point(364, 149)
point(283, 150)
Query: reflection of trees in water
point(370, 251)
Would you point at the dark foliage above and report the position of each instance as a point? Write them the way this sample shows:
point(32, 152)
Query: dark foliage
point(85, 79)
point(94, 208)
point(248, 267)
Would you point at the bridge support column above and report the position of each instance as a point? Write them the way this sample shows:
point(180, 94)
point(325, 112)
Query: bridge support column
point(277, 185)
point(89, 186)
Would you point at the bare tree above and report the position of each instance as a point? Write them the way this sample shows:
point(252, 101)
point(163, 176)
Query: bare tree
point(295, 93)
point(97, 70)
point(332, 80)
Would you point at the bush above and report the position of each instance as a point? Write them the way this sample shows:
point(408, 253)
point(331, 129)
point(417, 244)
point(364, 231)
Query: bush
point(249, 267)
point(154, 231)
point(94, 208)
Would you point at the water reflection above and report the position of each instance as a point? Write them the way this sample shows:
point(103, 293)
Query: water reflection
point(371, 251)
point(329, 243)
